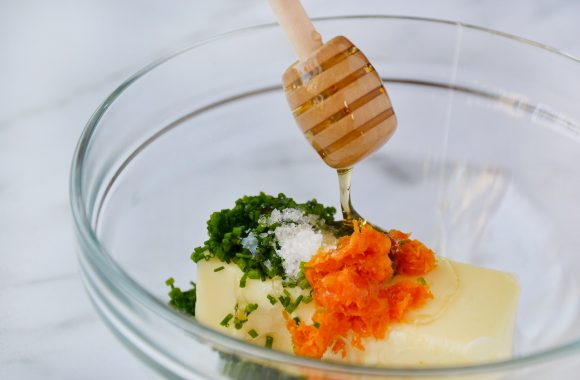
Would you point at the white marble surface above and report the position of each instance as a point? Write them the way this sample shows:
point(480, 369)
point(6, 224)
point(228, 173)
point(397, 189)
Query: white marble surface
point(58, 60)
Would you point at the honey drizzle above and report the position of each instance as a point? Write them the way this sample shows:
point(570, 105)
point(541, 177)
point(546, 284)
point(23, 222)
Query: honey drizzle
point(348, 212)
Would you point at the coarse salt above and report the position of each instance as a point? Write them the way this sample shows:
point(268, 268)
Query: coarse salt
point(298, 242)
point(296, 237)
point(289, 215)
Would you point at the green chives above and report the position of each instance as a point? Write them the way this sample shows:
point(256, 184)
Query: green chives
point(226, 321)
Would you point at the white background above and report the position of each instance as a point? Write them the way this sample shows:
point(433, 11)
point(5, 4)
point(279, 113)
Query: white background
point(58, 60)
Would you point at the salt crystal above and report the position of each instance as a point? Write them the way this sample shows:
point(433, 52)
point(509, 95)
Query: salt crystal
point(268, 264)
point(250, 242)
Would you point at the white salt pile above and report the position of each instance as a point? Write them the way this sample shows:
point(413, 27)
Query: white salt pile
point(297, 238)
point(298, 242)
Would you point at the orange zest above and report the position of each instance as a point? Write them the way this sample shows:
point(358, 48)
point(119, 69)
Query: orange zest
point(405, 296)
point(353, 294)
point(410, 257)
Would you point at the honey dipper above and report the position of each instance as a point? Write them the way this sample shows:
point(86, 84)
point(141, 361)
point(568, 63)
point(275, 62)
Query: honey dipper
point(336, 97)
point(334, 92)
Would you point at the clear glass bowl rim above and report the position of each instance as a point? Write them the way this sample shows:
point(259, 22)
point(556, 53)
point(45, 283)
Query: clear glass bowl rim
point(102, 261)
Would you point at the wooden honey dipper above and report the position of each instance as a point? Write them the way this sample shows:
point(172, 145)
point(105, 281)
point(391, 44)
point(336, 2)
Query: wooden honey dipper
point(337, 98)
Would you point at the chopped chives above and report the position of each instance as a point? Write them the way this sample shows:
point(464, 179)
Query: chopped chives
point(253, 333)
point(303, 284)
point(250, 307)
point(298, 300)
point(269, 342)
point(227, 228)
point(226, 321)
point(254, 274)
point(238, 323)
point(243, 280)
point(271, 299)
point(317, 325)
point(293, 305)
point(219, 268)
point(285, 301)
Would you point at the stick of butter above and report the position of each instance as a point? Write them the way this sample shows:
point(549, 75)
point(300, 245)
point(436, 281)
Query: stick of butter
point(470, 318)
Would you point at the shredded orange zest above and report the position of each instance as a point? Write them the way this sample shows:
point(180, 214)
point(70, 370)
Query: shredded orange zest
point(405, 296)
point(410, 257)
point(351, 291)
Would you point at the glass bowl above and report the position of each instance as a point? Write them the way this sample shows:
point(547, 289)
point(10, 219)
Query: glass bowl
point(484, 168)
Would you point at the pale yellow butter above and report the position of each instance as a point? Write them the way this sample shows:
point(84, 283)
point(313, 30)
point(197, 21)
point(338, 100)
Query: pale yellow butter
point(470, 319)
point(219, 292)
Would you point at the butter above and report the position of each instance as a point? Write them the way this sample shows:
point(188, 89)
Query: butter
point(219, 292)
point(469, 320)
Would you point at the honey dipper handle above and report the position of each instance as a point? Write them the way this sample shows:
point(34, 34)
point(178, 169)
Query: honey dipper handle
point(297, 27)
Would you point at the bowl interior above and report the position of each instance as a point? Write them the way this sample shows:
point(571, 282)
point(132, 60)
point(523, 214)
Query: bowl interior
point(483, 167)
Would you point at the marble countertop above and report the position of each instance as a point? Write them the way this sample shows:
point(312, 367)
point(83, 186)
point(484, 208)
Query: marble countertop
point(58, 60)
